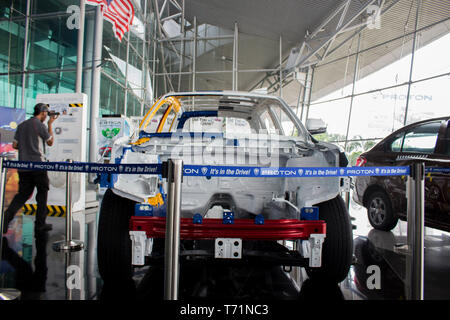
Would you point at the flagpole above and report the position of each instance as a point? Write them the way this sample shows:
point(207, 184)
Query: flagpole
point(78, 83)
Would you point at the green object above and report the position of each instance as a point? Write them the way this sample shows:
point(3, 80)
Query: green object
point(110, 133)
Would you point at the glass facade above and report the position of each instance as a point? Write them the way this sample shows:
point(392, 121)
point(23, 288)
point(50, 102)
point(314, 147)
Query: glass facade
point(380, 98)
point(49, 41)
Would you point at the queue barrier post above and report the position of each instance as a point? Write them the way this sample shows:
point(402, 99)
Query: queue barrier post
point(69, 244)
point(415, 233)
point(172, 240)
point(5, 293)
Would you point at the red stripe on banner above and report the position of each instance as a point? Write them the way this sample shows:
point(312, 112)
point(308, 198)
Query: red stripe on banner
point(129, 9)
point(117, 22)
point(119, 19)
point(120, 8)
point(119, 12)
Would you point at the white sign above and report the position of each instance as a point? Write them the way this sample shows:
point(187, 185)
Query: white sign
point(109, 130)
point(69, 131)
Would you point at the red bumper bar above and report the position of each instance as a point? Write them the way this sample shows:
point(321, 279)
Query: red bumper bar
point(284, 229)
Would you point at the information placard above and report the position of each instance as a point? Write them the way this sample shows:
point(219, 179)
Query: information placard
point(70, 135)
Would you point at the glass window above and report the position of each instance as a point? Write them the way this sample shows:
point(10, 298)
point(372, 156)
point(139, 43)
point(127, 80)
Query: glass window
point(378, 114)
point(447, 141)
point(334, 114)
point(46, 6)
point(429, 99)
point(422, 139)
point(52, 45)
point(396, 145)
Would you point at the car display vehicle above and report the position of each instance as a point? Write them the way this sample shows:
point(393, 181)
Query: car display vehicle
point(385, 196)
point(226, 219)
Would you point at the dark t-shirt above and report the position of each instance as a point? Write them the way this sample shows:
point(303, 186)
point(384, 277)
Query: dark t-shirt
point(31, 136)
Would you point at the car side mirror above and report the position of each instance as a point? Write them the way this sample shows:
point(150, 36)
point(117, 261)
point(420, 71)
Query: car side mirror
point(316, 126)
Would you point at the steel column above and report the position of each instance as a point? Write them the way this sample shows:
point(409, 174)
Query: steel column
point(419, 4)
point(79, 73)
point(281, 62)
point(144, 64)
point(126, 76)
point(155, 43)
point(182, 48)
point(235, 57)
point(355, 74)
point(309, 93)
point(25, 52)
point(95, 85)
point(194, 55)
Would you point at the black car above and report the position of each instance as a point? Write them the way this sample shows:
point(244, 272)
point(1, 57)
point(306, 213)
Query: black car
point(384, 196)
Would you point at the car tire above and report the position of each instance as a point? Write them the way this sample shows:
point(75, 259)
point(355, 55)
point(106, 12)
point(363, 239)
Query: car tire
point(114, 243)
point(380, 213)
point(337, 250)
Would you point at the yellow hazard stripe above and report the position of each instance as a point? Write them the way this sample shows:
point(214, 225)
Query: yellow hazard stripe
point(53, 211)
point(75, 105)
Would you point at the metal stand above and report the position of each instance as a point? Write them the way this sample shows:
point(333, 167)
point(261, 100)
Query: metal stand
point(415, 219)
point(68, 245)
point(172, 241)
point(5, 293)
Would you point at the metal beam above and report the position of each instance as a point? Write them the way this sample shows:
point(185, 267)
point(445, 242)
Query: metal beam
point(300, 56)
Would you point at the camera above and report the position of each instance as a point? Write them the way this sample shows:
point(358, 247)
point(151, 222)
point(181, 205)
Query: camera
point(53, 113)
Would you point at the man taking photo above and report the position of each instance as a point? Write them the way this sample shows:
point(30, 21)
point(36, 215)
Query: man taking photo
point(30, 139)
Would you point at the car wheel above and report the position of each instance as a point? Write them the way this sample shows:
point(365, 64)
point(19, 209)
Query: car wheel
point(380, 213)
point(114, 243)
point(337, 250)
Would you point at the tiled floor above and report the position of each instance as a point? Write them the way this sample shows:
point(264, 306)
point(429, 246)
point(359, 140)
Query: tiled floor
point(30, 264)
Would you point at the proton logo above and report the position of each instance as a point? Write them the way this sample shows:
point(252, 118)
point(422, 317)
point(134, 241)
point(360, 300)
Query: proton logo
point(86, 167)
point(256, 171)
point(56, 166)
point(120, 168)
point(342, 171)
point(377, 171)
point(300, 172)
point(31, 165)
point(204, 170)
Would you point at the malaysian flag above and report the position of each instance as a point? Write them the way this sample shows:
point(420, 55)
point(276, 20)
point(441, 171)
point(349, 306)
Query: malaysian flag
point(119, 12)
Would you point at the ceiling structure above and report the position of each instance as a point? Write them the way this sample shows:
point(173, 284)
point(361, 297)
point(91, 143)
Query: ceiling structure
point(267, 28)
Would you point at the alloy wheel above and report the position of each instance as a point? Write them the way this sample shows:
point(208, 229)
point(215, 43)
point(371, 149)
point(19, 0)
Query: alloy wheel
point(377, 211)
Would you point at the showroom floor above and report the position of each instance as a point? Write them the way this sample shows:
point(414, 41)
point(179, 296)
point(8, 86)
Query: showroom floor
point(31, 265)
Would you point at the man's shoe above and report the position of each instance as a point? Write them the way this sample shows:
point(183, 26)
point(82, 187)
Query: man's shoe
point(43, 228)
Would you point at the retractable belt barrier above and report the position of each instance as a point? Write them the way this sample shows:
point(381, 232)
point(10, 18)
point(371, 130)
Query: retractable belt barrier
point(217, 171)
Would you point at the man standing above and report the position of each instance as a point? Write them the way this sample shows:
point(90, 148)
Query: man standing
point(30, 139)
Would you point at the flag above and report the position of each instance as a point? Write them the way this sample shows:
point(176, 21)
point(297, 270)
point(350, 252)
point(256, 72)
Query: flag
point(119, 12)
